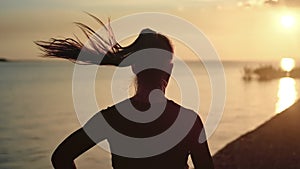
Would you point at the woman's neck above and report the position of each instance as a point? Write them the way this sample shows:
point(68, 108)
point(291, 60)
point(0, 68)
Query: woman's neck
point(147, 96)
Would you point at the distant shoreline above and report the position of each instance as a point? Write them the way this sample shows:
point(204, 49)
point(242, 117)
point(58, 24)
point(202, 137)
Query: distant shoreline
point(251, 63)
point(3, 60)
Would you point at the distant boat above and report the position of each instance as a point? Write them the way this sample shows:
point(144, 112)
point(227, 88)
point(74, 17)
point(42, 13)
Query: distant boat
point(268, 72)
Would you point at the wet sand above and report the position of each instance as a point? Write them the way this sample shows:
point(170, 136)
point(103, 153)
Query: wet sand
point(273, 145)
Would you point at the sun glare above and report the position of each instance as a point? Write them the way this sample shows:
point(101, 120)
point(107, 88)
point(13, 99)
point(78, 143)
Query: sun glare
point(287, 94)
point(287, 64)
point(288, 21)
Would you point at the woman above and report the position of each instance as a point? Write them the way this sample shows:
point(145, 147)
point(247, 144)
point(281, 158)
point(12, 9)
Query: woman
point(148, 79)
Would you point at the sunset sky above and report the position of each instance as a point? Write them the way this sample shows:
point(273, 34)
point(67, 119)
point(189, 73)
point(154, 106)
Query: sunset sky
point(239, 30)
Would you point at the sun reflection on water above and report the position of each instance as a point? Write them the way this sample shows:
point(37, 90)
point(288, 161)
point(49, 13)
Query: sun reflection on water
point(287, 93)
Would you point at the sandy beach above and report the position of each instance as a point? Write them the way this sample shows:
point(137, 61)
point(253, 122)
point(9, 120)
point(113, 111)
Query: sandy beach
point(273, 145)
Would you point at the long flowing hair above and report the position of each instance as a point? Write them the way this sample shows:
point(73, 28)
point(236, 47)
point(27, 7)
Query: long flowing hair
point(109, 49)
point(101, 51)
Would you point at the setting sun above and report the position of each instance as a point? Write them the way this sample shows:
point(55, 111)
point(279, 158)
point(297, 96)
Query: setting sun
point(287, 64)
point(288, 21)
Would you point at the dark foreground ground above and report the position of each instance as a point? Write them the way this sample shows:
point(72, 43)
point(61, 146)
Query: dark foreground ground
point(273, 145)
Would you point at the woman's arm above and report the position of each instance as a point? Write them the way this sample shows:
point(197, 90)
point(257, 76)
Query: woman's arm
point(200, 153)
point(79, 142)
point(201, 157)
point(74, 145)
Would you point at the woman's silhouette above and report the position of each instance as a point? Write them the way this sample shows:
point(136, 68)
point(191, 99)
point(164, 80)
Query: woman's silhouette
point(111, 53)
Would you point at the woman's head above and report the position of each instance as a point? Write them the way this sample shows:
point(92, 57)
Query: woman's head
point(151, 60)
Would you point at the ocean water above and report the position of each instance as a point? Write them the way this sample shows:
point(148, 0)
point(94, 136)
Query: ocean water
point(37, 111)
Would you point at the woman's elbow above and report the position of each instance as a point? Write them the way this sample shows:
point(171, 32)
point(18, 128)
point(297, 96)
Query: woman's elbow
point(59, 160)
point(56, 159)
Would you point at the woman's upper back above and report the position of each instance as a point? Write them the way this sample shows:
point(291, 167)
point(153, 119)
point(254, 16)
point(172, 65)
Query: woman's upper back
point(164, 142)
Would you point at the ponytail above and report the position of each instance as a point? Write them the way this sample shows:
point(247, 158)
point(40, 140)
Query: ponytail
point(107, 50)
